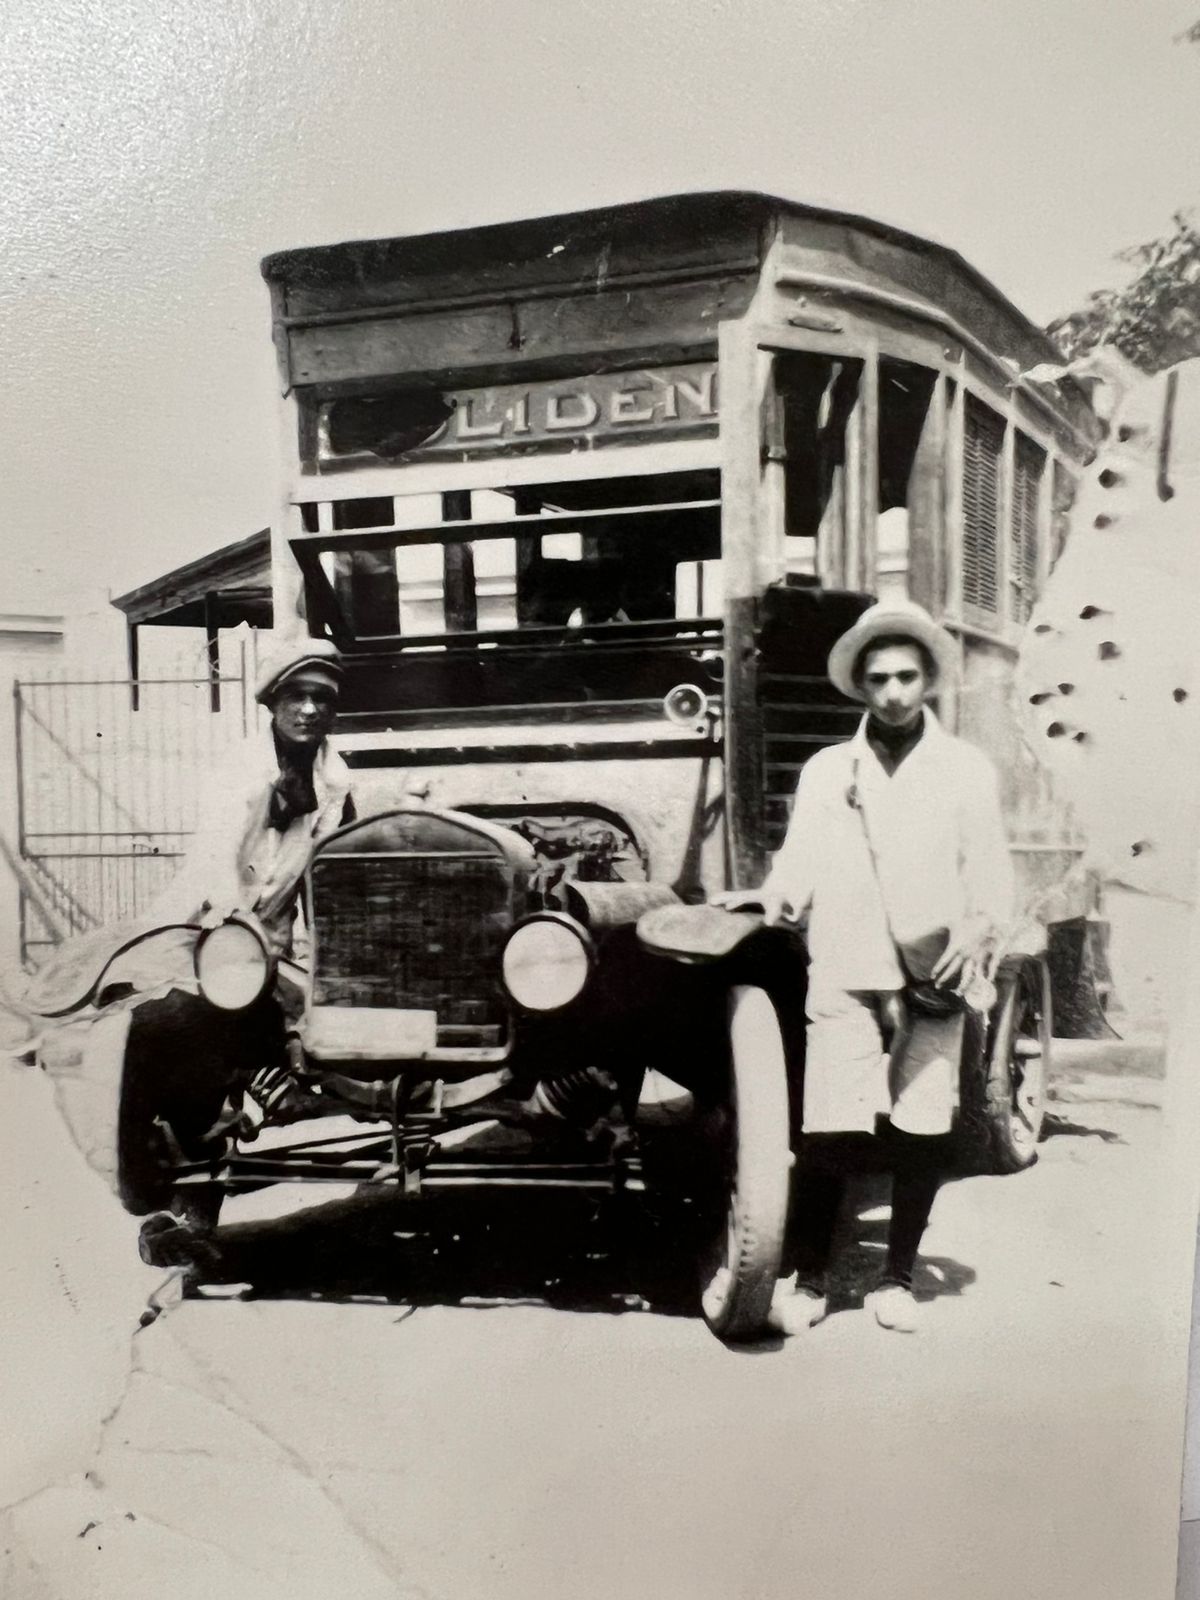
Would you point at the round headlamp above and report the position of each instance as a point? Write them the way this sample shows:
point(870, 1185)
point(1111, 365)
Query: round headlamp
point(233, 965)
point(547, 961)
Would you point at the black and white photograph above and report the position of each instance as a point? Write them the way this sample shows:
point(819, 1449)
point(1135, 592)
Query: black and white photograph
point(600, 736)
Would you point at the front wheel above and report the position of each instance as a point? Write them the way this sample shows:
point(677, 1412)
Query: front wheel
point(180, 1061)
point(740, 1264)
point(1005, 1076)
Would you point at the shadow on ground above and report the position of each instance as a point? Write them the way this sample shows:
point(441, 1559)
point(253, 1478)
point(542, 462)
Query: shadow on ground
point(861, 1245)
point(615, 1256)
point(1056, 1126)
point(579, 1256)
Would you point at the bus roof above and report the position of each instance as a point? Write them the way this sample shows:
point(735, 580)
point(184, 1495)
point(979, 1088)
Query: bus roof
point(645, 265)
point(720, 229)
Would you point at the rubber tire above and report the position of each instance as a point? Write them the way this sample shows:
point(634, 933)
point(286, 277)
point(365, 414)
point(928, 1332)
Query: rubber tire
point(741, 1266)
point(143, 1181)
point(995, 1138)
point(143, 1164)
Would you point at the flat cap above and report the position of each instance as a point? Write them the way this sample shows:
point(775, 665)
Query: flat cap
point(296, 655)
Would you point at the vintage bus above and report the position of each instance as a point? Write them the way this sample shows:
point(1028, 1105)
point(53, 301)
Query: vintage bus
point(584, 501)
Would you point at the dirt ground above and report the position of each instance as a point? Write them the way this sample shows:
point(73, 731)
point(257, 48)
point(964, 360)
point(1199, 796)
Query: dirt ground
point(529, 1406)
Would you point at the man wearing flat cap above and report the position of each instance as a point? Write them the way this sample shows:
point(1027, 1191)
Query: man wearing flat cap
point(896, 851)
point(259, 819)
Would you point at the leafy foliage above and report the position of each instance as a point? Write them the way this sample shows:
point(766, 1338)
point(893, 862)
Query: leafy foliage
point(1154, 319)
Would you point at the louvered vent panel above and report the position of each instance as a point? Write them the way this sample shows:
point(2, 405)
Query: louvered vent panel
point(983, 445)
point(1029, 463)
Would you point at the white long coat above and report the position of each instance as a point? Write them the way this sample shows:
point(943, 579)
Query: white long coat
point(938, 836)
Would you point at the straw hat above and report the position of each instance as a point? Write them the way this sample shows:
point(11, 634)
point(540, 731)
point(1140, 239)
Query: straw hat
point(890, 619)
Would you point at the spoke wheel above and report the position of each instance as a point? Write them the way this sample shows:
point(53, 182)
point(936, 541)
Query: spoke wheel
point(740, 1261)
point(1004, 1092)
point(1020, 1063)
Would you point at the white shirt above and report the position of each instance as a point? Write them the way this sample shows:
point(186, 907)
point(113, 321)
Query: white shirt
point(940, 849)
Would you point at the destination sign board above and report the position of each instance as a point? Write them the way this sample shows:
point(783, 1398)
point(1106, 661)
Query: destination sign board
point(601, 408)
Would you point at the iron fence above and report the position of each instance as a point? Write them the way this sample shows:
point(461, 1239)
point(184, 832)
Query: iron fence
point(108, 774)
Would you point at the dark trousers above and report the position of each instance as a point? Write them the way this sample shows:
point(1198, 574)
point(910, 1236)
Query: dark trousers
point(824, 1166)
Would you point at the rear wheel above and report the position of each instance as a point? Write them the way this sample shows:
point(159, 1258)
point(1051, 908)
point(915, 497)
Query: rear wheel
point(1005, 1076)
point(740, 1262)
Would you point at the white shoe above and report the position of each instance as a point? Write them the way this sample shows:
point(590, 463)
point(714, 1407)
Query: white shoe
point(895, 1308)
point(795, 1308)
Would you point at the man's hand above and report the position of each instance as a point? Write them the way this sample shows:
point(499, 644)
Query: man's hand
point(217, 912)
point(776, 907)
point(967, 944)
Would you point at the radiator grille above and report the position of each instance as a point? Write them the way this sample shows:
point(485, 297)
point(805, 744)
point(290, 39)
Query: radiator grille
point(420, 932)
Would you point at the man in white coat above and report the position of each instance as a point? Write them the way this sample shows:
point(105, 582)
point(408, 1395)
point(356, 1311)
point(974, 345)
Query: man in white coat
point(896, 852)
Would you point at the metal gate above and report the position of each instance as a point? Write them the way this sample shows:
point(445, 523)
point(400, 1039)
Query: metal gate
point(108, 773)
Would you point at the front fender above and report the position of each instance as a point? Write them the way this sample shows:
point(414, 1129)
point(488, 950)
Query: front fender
point(696, 934)
point(658, 996)
point(141, 952)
